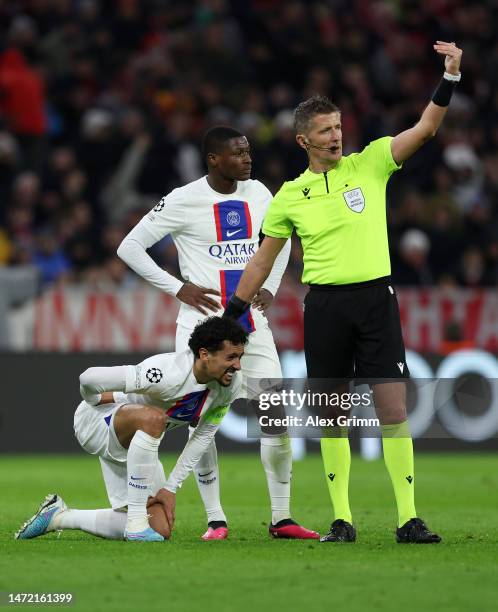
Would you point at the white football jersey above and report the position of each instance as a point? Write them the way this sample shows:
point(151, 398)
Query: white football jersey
point(167, 381)
point(215, 234)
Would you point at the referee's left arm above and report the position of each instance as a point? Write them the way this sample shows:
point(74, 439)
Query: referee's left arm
point(259, 267)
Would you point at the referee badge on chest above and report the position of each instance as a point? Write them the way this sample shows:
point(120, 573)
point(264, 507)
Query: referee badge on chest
point(355, 199)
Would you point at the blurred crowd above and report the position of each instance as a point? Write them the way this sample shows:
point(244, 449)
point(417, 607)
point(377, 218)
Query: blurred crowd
point(103, 106)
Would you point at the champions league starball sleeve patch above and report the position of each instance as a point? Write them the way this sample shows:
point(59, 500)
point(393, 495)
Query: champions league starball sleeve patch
point(233, 220)
point(154, 375)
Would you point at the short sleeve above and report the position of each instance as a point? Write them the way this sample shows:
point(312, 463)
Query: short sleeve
point(167, 216)
point(276, 223)
point(378, 157)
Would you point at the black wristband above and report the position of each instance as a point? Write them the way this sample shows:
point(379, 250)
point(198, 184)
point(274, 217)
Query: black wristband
point(235, 308)
point(443, 93)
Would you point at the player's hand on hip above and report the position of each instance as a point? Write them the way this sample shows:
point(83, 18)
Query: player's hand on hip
point(168, 501)
point(262, 300)
point(198, 297)
point(453, 55)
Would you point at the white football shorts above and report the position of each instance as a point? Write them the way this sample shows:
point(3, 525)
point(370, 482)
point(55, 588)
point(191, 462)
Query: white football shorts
point(94, 430)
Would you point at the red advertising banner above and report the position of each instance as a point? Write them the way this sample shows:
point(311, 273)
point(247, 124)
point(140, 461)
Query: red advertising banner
point(432, 318)
point(79, 319)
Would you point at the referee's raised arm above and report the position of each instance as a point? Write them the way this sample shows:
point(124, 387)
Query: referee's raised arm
point(405, 144)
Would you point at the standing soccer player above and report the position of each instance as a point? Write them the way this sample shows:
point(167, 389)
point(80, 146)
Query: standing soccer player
point(215, 224)
point(122, 419)
point(351, 319)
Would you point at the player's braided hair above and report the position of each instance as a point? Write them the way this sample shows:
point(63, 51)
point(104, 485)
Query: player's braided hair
point(316, 105)
point(213, 331)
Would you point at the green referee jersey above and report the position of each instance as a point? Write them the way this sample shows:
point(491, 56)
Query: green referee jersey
point(340, 217)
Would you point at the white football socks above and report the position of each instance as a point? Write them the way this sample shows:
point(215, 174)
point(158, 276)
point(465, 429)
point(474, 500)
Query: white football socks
point(141, 465)
point(276, 456)
point(106, 523)
point(208, 481)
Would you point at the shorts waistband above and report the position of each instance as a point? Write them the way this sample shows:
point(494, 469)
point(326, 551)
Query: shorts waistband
point(383, 280)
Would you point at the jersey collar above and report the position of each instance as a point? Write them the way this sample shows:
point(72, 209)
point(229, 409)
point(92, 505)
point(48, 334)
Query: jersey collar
point(222, 195)
point(310, 172)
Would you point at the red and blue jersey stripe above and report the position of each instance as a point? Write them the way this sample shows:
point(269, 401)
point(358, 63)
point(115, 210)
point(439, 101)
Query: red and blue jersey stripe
point(229, 279)
point(233, 220)
point(189, 407)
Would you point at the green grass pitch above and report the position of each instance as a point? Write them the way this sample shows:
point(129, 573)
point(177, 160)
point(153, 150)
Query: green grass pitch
point(456, 494)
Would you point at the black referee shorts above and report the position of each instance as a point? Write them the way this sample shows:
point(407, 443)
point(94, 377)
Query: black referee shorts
point(354, 331)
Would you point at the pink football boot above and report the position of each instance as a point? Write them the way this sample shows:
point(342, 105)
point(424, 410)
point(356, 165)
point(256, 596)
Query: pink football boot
point(217, 530)
point(290, 530)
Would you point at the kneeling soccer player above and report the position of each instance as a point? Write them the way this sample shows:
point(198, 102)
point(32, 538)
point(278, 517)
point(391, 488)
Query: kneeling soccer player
point(123, 417)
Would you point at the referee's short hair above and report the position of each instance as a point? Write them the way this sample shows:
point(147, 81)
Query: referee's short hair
point(316, 105)
point(215, 139)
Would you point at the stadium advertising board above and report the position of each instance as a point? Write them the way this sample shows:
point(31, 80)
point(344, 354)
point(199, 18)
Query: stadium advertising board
point(78, 326)
point(455, 403)
point(73, 320)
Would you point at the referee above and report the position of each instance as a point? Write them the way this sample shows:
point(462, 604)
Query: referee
point(351, 321)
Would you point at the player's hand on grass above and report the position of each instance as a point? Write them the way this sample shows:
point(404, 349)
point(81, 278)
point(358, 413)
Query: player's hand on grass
point(198, 297)
point(453, 55)
point(168, 501)
point(262, 300)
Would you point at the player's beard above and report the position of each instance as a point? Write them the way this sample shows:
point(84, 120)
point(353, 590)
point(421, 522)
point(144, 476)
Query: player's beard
point(221, 379)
